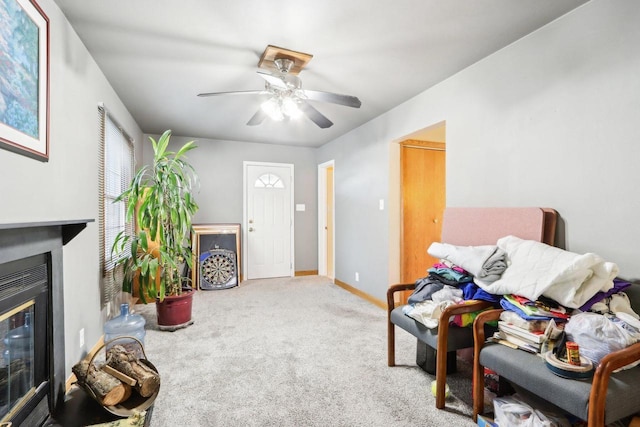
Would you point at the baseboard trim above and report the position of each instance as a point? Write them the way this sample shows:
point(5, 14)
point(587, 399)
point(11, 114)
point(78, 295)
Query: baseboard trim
point(72, 379)
point(306, 273)
point(361, 294)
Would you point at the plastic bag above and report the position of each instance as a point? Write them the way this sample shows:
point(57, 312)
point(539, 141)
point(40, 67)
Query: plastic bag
point(596, 335)
point(513, 412)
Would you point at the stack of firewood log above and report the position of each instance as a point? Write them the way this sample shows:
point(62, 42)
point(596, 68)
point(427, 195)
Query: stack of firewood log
point(122, 374)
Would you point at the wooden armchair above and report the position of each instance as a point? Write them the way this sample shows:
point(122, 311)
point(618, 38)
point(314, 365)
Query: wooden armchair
point(465, 227)
point(445, 340)
point(605, 398)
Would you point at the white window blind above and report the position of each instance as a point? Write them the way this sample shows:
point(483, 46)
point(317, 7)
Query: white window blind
point(116, 171)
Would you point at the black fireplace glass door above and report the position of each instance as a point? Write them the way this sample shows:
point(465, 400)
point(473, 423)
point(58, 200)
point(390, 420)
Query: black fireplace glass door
point(17, 361)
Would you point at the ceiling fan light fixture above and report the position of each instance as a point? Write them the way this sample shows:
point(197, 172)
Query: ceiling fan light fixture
point(273, 109)
point(287, 100)
point(290, 108)
point(280, 107)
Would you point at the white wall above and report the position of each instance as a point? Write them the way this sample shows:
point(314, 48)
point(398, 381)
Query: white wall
point(66, 187)
point(361, 175)
point(219, 167)
point(551, 120)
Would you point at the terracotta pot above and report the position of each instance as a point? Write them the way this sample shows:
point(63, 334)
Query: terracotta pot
point(175, 311)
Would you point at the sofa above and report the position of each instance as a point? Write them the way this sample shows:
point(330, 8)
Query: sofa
point(463, 226)
point(607, 397)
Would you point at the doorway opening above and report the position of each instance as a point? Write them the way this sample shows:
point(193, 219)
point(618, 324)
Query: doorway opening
point(326, 219)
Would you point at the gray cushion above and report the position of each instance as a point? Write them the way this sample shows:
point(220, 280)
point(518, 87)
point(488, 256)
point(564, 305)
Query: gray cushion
point(633, 292)
point(458, 338)
point(530, 372)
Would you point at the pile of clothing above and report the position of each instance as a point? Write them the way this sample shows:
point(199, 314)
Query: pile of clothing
point(445, 285)
point(523, 276)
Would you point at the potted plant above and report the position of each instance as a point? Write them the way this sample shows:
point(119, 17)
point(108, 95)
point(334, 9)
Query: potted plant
point(160, 200)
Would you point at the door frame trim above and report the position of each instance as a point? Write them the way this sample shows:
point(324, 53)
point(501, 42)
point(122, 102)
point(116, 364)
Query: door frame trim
point(322, 217)
point(245, 235)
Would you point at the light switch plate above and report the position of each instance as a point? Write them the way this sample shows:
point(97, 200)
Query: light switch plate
point(301, 207)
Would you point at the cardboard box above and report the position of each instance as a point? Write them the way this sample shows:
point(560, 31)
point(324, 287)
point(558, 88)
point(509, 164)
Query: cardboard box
point(485, 421)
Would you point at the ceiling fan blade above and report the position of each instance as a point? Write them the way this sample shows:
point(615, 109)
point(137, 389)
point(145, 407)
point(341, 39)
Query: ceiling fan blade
point(241, 92)
point(334, 98)
point(316, 116)
point(257, 118)
point(273, 80)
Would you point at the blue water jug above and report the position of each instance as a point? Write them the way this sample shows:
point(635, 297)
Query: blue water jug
point(18, 342)
point(127, 324)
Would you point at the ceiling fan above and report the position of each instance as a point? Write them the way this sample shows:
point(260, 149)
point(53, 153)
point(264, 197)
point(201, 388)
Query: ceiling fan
point(287, 98)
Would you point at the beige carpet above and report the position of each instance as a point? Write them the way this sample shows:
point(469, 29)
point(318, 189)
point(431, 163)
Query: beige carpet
point(293, 352)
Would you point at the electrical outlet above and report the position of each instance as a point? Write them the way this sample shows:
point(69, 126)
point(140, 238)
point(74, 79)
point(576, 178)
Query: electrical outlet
point(81, 338)
point(357, 276)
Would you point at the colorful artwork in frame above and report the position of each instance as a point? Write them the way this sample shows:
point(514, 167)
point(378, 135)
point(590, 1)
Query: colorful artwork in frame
point(24, 78)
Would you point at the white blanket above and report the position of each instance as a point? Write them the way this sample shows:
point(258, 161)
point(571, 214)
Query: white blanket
point(536, 269)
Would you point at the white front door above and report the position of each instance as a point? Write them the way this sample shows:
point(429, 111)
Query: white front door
point(268, 219)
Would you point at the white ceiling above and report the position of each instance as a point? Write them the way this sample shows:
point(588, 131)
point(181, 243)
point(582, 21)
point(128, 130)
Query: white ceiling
point(159, 54)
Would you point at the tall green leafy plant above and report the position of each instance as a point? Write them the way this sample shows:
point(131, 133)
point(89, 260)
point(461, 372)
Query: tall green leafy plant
point(160, 200)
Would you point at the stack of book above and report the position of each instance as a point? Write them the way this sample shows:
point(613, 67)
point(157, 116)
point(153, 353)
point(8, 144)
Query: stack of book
point(529, 325)
point(518, 337)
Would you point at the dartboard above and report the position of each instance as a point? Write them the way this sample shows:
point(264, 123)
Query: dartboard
point(218, 269)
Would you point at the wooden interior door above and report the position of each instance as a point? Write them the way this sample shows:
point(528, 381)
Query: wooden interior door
point(423, 203)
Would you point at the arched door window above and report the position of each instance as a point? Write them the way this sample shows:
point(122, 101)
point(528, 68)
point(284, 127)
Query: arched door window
point(268, 180)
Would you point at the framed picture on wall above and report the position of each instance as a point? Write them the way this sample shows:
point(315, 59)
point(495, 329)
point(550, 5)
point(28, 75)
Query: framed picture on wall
point(24, 79)
point(216, 256)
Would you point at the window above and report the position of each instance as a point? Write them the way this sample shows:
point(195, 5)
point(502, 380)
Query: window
point(268, 180)
point(116, 172)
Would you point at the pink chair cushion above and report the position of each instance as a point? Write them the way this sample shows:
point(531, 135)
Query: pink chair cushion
point(484, 226)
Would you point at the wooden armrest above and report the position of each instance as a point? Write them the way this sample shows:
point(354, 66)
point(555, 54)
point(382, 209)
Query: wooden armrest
point(487, 316)
point(468, 306)
point(618, 359)
point(478, 327)
point(400, 287)
point(397, 288)
point(391, 341)
point(608, 364)
point(478, 372)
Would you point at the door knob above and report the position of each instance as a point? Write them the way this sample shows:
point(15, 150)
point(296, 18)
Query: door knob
point(250, 228)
